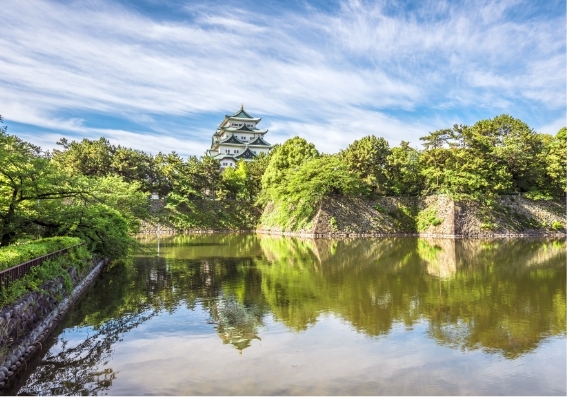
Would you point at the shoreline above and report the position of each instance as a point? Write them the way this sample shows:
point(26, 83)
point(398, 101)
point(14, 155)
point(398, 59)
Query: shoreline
point(354, 235)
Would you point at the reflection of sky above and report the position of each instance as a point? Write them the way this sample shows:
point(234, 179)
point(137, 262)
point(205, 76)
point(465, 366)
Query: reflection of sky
point(181, 354)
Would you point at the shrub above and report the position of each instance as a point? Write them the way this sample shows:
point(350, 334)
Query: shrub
point(427, 218)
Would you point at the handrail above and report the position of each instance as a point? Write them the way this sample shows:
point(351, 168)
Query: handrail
point(16, 272)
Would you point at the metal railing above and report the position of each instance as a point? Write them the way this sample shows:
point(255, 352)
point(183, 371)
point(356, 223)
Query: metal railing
point(16, 272)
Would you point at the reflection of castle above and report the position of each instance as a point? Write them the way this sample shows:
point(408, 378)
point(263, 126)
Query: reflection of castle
point(236, 324)
point(238, 138)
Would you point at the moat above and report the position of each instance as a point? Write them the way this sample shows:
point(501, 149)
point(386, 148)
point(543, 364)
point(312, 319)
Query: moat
point(257, 314)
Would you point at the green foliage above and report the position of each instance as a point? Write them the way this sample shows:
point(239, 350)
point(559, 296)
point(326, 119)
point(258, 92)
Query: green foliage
point(380, 209)
point(203, 214)
point(534, 194)
point(44, 197)
point(404, 218)
point(334, 223)
point(426, 218)
point(367, 158)
point(236, 182)
point(554, 158)
point(297, 196)
point(99, 158)
point(492, 157)
point(403, 171)
point(58, 267)
point(13, 255)
point(284, 159)
point(557, 226)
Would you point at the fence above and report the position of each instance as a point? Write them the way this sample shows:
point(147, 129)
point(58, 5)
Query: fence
point(19, 271)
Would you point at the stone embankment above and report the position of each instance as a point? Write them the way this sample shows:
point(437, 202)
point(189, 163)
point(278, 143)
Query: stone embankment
point(201, 216)
point(26, 324)
point(431, 216)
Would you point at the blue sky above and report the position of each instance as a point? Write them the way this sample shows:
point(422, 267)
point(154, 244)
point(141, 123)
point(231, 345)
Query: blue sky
point(160, 75)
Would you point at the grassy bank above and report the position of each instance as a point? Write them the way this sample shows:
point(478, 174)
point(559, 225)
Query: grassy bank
point(78, 258)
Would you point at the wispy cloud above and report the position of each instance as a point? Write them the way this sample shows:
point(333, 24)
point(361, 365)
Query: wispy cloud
point(327, 75)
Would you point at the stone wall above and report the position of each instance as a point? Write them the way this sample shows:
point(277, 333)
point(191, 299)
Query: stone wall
point(26, 324)
point(201, 216)
point(433, 216)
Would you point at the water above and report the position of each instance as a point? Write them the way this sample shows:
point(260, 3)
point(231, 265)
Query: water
point(247, 314)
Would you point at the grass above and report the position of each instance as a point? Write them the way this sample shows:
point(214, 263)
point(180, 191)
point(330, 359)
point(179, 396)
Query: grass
point(13, 255)
point(78, 257)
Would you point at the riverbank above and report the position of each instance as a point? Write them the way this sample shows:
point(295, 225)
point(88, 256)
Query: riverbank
point(341, 216)
point(27, 323)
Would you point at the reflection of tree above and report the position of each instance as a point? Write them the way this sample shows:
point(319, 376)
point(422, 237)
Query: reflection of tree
point(81, 370)
point(502, 295)
point(505, 297)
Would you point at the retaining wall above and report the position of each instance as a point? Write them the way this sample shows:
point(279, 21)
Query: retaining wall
point(26, 324)
point(340, 216)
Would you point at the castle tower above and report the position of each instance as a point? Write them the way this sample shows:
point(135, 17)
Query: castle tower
point(236, 138)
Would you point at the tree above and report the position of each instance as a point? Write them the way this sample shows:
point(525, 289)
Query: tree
point(403, 171)
point(89, 158)
point(297, 197)
point(26, 177)
point(235, 181)
point(555, 160)
point(434, 157)
point(512, 143)
point(367, 159)
point(209, 169)
point(37, 197)
point(289, 156)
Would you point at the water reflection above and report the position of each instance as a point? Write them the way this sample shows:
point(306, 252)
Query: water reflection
point(236, 324)
point(501, 296)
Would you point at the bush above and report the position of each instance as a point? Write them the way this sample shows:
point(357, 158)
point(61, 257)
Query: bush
point(427, 218)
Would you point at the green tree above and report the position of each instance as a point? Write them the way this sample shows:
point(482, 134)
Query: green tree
point(403, 171)
point(289, 156)
point(297, 197)
point(512, 143)
point(555, 160)
point(26, 177)
point(235, 181)
point(434, 157)
point(90, 158)
point(367, 158)
point(210, 171)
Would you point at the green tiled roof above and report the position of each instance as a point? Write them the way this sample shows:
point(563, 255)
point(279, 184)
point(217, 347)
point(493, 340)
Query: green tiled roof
point(259, 141)
point(232, 139)
point(244, 128)
point(247, 154)
point(241, 113)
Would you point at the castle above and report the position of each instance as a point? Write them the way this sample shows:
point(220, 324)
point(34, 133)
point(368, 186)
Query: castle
point(238, 138)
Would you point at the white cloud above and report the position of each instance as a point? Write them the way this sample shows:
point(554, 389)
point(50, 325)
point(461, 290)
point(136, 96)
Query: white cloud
point(307, 72)
point(553, 127)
